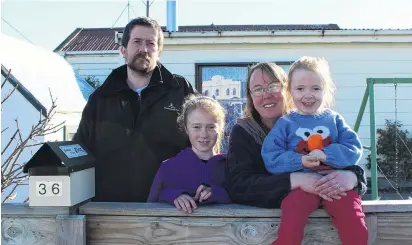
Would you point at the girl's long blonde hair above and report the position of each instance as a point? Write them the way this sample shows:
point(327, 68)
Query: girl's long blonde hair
point(314, 64)
point(210, 105)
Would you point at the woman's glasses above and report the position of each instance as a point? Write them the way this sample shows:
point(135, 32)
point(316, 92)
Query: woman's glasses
point(272, 88)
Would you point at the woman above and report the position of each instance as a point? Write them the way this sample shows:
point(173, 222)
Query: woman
point(249, 181)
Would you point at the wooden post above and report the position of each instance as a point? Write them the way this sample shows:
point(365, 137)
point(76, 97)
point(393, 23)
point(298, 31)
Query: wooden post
point(371, 221)
point(71, 230)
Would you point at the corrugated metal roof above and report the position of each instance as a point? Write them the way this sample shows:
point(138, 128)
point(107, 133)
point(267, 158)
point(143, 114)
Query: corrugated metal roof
point(90, 39)
point(101, 39)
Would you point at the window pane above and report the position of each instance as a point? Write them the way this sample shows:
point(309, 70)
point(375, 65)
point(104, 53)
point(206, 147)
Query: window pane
point(227, 78)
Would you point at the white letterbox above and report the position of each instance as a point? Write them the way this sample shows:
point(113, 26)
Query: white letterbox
point(60, 174)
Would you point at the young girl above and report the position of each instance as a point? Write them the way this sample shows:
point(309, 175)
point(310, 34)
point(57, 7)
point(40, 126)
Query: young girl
point(196, 174)
point(311, 137)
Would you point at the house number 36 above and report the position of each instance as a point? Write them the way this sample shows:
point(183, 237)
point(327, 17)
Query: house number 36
point(48, 188)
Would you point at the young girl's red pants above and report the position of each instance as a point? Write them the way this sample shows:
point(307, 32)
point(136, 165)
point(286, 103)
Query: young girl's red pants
point(346, 214)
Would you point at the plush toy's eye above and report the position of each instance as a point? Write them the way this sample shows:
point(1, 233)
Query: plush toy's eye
point(304, 133)
point(322, 130)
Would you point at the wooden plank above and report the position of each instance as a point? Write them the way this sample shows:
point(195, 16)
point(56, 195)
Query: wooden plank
point(394, 229)
point(371, 221)
point(71, 230)
point(94, 66)
point(381, 106)
point(102, 72)
point(280, 52)
point(231, 210)
point(381, 92)
point(387, 206)
point(28, 231)
point(94, 59)
point(188, 230)
point(167, 210)
point(23, 209)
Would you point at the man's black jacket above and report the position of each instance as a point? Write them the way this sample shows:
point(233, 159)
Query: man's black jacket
point(131, 135)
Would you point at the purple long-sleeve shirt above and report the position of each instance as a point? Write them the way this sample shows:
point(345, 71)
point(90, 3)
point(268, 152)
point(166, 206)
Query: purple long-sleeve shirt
point(184, 173)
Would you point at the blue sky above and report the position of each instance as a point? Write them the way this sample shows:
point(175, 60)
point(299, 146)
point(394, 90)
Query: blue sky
point(48, 23)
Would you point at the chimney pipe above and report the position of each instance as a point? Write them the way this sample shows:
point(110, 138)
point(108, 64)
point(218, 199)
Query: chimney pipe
point(171, 9)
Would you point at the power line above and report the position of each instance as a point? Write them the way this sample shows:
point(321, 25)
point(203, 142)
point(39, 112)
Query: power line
point(120, 15)
point(16, 30)
point(390, 183)
point(135, 15)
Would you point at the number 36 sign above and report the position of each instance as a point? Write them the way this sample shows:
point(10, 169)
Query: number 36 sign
point(49, 188)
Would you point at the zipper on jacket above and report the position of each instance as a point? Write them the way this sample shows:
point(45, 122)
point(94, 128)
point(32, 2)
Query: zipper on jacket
point(138, 114)
point(205, 169)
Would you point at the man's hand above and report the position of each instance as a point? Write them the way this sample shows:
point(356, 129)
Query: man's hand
point(310, 161)
point(185, 202)
point(203, 192)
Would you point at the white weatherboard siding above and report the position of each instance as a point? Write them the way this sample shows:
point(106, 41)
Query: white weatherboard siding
point(351, 64)
point(97, 65)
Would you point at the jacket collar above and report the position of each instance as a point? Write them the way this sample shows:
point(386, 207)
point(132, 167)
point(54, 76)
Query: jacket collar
point(116, 82)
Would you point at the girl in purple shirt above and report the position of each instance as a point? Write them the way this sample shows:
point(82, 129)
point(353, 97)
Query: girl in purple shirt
point(196, 174)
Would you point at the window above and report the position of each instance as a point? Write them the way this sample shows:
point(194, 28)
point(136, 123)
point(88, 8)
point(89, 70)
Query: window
point(231, 77)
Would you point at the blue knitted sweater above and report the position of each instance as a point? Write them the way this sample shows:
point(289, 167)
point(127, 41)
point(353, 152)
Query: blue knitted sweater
point(295, 135)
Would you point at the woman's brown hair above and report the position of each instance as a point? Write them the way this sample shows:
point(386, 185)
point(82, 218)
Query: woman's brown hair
point(275, 73)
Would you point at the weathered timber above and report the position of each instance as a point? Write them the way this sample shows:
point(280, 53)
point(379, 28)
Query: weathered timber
point(389, 222)
point(71, 229)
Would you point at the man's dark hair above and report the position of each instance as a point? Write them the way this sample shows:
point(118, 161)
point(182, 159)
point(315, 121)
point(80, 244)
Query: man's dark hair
point(143, 21)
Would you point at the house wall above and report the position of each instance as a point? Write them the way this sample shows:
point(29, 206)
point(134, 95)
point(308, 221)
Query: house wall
point(97, 65)
point(351, 64)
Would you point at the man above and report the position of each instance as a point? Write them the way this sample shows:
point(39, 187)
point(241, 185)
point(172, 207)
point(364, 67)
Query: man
point(129, 123)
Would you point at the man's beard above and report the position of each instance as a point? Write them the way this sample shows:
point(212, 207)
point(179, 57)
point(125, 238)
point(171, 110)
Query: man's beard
point(142, 64)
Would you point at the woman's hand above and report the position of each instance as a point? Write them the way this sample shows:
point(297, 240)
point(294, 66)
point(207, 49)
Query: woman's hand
point(305, 181)
point(335, 184)
point(185, 202)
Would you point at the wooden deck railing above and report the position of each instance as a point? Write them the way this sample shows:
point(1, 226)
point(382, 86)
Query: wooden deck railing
point(389, 222)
